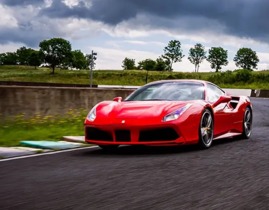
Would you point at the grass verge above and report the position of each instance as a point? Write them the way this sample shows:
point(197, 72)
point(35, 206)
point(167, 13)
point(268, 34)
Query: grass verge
point(19, 128)
point(229, 79)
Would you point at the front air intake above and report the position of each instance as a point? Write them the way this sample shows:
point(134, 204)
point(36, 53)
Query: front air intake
point(98, 134)
point(123, 135)
point(160, 134)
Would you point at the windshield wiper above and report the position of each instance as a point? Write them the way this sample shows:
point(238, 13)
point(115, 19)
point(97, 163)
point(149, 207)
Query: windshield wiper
point(156, 99)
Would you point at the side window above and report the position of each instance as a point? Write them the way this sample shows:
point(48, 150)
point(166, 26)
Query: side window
point(213, 93)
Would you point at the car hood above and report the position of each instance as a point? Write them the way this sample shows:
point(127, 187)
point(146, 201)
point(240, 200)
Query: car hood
point(136, 109)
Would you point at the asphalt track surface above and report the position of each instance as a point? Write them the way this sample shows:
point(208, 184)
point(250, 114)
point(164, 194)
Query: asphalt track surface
point(233, 174)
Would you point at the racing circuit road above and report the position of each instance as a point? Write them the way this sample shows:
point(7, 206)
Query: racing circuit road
point(232, 174)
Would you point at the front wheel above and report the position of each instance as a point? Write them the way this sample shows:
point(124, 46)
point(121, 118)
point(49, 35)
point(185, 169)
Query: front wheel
point(206, 129)
point(247, 124)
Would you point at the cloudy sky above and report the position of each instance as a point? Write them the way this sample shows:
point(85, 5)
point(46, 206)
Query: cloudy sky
point(138, 29)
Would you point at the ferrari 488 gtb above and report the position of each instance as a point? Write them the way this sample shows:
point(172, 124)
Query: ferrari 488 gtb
point(170, 112)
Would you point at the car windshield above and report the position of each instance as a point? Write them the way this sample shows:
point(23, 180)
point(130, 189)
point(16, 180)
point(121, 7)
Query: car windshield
point(169, 91)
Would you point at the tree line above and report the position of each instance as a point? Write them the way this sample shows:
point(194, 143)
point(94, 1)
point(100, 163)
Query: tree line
point(245, 58)
point(53, 52)
point(57, 52)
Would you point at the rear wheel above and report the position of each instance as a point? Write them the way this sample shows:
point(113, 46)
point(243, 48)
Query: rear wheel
point(108, 148)
point(206, 129)
point(247, 124)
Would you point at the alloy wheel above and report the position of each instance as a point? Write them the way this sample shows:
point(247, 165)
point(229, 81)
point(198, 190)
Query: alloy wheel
point(206, 129)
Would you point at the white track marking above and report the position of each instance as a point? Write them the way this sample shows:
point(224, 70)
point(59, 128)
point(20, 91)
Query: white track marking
point(47, 153)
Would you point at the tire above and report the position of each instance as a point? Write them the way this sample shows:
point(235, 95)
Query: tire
point(247, 124)
point(206, 129)
point(109, 148)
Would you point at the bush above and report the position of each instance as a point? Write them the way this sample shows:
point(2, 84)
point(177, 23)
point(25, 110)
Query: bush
point(243, 75)
point(227, 77)
point(261, 77)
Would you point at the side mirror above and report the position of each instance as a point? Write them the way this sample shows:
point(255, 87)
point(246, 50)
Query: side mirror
point(117, 99)
point(222, 99)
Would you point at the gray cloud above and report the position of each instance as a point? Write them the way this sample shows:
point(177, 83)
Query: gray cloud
point(28, 38)
point(31, 33)
point(17, 35)
point(22, 2)
point(60, 10)
point(245, 18)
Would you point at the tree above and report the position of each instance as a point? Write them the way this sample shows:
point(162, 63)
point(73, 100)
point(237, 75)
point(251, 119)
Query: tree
point(162, 65)
point(55, 51)
point(78, 60)
point(197, 55)
point(9, 58)
point(35, 59)
point(217, 57)
point(2, 58)
point(173, 53)
point(147, 64)
point(23, 55)
point(128, 64)
point(246, 58)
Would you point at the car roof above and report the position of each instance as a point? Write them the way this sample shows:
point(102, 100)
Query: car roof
point(180, 80)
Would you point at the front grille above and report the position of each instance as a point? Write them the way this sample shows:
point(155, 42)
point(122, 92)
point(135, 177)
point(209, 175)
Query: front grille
point(97, 134)
point(123, 135)
point(160, 134)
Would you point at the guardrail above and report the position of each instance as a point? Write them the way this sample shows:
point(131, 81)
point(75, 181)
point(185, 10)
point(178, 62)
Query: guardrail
point(260, 93)
point(49, 100)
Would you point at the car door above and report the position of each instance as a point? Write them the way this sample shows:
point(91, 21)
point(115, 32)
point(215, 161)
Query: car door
point(223, 113)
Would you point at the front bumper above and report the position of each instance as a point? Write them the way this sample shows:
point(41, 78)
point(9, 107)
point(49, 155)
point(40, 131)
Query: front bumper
point(133, 135)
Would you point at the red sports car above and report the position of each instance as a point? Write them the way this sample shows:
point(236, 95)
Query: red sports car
point(170, 112)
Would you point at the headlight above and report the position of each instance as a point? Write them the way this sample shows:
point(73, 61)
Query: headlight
point(92, 114)
point(175, 115)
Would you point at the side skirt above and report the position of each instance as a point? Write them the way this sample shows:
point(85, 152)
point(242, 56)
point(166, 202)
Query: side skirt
point(227, 135)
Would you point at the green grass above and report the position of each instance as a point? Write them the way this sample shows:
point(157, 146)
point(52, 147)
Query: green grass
point(235, 79)
point(19, 128)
